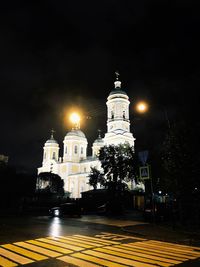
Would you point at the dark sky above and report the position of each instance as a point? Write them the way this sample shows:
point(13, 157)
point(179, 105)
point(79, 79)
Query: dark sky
point(56, 55)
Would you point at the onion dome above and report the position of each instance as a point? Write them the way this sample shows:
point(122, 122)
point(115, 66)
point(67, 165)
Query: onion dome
point(99, 140)
point(51, 140)
point(98, 143)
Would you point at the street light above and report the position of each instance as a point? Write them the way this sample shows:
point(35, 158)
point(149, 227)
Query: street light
point(75, 119)
point(142, 107)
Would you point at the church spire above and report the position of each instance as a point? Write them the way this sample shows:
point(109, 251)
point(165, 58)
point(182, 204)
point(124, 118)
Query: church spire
point(117, 82)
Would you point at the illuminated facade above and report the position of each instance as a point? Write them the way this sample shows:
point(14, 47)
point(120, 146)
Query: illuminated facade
point(74, 165)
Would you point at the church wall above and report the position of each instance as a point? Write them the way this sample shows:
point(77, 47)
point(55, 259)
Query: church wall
point(71, 154)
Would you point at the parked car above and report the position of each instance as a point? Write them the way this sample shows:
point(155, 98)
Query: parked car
point(70, 209)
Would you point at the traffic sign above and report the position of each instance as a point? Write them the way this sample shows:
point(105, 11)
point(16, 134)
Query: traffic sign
point(144, 172)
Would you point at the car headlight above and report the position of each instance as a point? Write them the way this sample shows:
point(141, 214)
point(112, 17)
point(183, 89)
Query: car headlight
point(56, 212)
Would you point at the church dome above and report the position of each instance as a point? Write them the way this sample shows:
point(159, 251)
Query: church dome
point(98, 141)
point(76, 132)
point(117, 91)
point(51, 140)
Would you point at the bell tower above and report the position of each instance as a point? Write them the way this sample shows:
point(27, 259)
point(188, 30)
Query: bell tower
point(118, 123)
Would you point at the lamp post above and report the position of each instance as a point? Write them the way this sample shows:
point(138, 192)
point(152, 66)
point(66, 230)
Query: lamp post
point(142, 107)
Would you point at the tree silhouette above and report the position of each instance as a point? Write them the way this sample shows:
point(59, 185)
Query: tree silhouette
point(95, 178)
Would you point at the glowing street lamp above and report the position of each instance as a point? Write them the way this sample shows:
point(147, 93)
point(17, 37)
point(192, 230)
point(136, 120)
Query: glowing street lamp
point(75, 119)
point(142, 107)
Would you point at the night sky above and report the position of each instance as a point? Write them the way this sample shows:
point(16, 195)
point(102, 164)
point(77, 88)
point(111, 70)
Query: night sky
point(56, 56)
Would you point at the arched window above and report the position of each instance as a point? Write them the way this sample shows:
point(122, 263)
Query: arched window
point(54, 155)
point(45, 155)
point(66, 150)
point(124, 116)
point(112, 115)
point(81, 150)
point(75, 150)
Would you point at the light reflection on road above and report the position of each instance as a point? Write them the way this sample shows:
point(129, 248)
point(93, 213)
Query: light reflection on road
point(55, 227)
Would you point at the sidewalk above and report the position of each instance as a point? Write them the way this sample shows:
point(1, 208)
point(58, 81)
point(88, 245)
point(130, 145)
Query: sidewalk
point(160, 231)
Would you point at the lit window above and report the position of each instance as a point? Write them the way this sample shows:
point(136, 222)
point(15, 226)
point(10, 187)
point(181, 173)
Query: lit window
point(75, 149)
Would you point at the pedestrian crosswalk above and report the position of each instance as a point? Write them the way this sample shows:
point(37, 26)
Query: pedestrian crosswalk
point(105, 249)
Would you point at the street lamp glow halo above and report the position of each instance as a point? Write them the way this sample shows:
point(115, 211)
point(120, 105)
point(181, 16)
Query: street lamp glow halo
point(75, 118)
point(142, 107)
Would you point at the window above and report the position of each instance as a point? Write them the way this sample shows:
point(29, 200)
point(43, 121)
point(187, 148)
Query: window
point(123, 114)
point(66, 150)
point(75, 150)
point(54, 155)
point(112, 115)
point(81, 150)
point(45, 155)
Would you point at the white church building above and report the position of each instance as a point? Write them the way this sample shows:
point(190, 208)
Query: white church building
point(74, 164)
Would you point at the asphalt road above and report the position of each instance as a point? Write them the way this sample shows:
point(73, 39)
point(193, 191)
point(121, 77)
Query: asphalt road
point(88, 241)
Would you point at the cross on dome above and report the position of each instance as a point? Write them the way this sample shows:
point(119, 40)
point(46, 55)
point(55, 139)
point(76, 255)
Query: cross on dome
point(117, 82)
point(52, 132)
point(117, 75)
point(99, 134)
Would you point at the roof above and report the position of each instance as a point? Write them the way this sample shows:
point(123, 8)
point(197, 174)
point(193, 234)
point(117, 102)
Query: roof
point(98, 140)
point(51, 141)
point(76, 132)
point(117, 91)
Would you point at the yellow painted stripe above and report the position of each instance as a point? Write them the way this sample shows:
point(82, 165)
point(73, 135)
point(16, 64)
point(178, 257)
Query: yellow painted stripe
point(173, 244)
point(80, 241)
point(98, 261)
point(83, 237)
point(44, 245)
point(141, 254)
point(185, 252)
point(70, 241)
point(6, 263)
point(161, 250)
point(117, 259)
point(111, 236)
point(25, 252)
point(132, 257)
point(152, 252)
point(44, 251)
point(15, 257)
point(127, 236)
point(77, 262)
point(56, 243)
